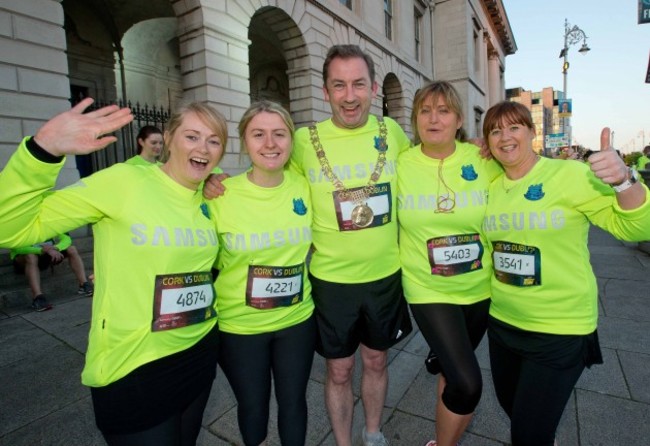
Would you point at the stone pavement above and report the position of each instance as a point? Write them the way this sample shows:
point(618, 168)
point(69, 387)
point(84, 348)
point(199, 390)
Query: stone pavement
point(43, 403)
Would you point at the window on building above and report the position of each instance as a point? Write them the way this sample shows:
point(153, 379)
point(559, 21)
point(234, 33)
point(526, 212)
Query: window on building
point(347, 3)
point(388, 18)
point(477, 47)
point(478, 116)
point(417, 29)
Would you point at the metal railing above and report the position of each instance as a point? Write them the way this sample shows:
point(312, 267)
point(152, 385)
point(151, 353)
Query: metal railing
point(125, 147)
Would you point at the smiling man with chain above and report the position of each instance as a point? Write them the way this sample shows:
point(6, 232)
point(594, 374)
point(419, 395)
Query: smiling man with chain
point(349, 161)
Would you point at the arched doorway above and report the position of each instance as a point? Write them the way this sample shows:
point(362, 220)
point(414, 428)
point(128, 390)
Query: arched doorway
point(392, 100)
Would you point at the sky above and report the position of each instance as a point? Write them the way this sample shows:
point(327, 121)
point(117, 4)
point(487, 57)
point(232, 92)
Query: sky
point(607, 84)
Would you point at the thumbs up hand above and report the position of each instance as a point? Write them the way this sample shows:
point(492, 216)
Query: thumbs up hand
point(607, 164)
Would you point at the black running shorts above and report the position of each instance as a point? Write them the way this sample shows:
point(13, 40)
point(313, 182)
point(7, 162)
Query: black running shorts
point(372, 313)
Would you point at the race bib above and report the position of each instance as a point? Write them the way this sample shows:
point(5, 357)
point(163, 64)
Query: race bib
point(182, 299)
point(274, 286)
point(379, 203)
point(516, 264)
point(455, 254)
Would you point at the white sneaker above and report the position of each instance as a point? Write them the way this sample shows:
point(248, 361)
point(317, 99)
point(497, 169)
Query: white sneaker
point(376, 439)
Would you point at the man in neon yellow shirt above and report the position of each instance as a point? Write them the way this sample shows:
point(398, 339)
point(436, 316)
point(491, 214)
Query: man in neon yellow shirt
point(349, 161)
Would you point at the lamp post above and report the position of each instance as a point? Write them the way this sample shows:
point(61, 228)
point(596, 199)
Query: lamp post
point(572, 35)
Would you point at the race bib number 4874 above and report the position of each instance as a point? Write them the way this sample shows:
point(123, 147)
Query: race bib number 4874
point(182, 299)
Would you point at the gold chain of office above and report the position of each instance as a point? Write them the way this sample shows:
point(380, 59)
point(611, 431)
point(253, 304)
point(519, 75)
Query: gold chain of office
point(362, 194)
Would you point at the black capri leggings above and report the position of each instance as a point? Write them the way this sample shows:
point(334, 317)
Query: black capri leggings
point(248, 361)
point(534, 375)
point(453, 332)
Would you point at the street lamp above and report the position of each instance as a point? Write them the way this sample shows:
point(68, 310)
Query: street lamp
point(572, 35)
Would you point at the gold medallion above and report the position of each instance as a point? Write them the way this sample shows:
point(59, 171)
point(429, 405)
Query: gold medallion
point(362, 216)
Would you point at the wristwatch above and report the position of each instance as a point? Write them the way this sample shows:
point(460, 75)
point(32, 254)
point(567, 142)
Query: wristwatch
point(632, 178)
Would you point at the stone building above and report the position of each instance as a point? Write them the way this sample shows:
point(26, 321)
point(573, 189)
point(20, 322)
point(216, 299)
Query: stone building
point(227, 52)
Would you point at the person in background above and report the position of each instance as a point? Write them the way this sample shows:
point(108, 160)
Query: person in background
point(355, 271)
point(446, 268)
point(31, 260)
point(266, 322)
point(150, 144)
point(153, 343)
point(643, 161)
point(544, 309)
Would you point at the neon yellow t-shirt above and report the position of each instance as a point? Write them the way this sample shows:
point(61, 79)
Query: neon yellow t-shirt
point(347, 254)
point(641, 162)
point(538, 228)
point(444, 256)
point(153, 242)
point(265, 237)
point(138, 160)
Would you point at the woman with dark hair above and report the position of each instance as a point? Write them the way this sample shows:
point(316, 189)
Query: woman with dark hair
point(544, 310)
point(150, 144)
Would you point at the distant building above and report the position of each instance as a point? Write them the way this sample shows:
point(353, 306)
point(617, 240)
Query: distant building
point(543, 106)
point(229, 52)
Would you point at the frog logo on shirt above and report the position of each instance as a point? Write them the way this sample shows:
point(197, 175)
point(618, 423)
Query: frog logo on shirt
point(299, 206)
point(468, 173)
point(534, 192)
point(204, 210)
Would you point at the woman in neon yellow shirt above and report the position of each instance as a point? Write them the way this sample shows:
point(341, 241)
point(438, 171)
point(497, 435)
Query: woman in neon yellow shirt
point(150, 144)
point(265, 306)
point(442, 195)
point(544, 310)
point(152, 348)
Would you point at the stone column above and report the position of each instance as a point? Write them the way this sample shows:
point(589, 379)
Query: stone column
point(494, 75)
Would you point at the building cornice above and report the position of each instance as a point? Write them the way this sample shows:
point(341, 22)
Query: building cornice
point(501, 24)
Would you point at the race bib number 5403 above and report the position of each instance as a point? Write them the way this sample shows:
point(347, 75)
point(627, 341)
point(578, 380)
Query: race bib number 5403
point(455, 254)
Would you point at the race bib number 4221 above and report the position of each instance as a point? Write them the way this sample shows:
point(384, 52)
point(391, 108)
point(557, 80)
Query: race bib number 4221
point(274, 286)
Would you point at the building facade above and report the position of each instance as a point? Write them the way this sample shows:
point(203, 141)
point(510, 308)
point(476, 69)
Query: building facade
point(226, 52)
point(543, 106)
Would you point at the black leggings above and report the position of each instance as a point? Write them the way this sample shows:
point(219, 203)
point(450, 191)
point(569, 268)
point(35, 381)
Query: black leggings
point(453, 332)
point(532, 390)
point(181, 429)
point(248, 361)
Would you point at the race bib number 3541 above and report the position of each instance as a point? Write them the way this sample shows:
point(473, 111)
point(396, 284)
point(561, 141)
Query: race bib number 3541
point(516, 264)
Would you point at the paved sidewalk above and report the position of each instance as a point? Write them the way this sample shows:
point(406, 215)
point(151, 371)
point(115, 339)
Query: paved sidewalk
point(42, 401)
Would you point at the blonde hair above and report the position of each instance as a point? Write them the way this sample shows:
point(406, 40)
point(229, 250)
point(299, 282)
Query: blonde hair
point(436, 90)
point(255, 109)
point(206, 113)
